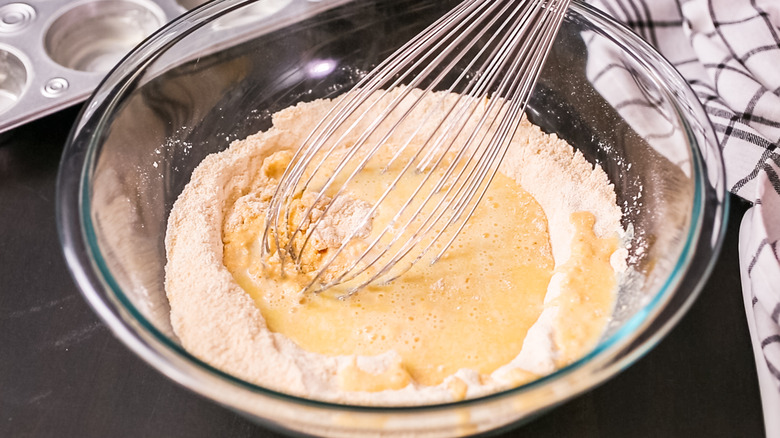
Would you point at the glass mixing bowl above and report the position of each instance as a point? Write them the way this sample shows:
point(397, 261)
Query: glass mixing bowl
point(217, 74)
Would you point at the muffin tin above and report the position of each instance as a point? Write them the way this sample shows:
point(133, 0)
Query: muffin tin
point(53, 53)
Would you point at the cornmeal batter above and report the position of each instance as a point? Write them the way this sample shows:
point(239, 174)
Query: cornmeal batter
point(528, 285)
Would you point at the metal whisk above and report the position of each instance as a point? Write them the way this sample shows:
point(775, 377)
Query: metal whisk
point(489, 53)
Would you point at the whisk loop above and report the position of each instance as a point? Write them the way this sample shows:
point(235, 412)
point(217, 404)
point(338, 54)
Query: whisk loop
point(441, 111)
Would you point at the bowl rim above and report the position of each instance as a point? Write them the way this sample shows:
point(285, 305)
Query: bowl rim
point(93, 276)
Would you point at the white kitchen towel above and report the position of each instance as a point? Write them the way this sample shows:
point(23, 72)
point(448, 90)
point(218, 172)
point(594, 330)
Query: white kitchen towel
point(729, 52)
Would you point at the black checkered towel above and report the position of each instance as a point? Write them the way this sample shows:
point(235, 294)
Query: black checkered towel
point(729, 51)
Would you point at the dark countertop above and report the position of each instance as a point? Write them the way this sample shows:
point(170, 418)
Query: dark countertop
point(62, 373)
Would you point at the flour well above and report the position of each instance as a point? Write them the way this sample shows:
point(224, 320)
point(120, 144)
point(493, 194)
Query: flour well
point(218, 321)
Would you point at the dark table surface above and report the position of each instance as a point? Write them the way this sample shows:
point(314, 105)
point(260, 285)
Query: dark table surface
point(63, 374)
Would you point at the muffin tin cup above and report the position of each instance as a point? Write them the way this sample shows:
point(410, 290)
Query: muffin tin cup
point(54, 53)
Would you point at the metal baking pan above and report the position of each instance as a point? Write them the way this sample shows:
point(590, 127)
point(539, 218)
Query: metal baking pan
point(54, 53)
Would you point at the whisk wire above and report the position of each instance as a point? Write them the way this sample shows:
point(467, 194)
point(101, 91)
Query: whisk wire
point(349, 110)
point(479, 86)
point(370, 84)
point(511, 121)
point(466, 192)
point(517, 38)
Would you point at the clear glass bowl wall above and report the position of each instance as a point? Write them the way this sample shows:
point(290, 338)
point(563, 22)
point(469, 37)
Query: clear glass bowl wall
point(198, 84)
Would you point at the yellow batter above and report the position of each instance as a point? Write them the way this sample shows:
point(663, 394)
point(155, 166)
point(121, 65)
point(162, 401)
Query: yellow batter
point(472, 309)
